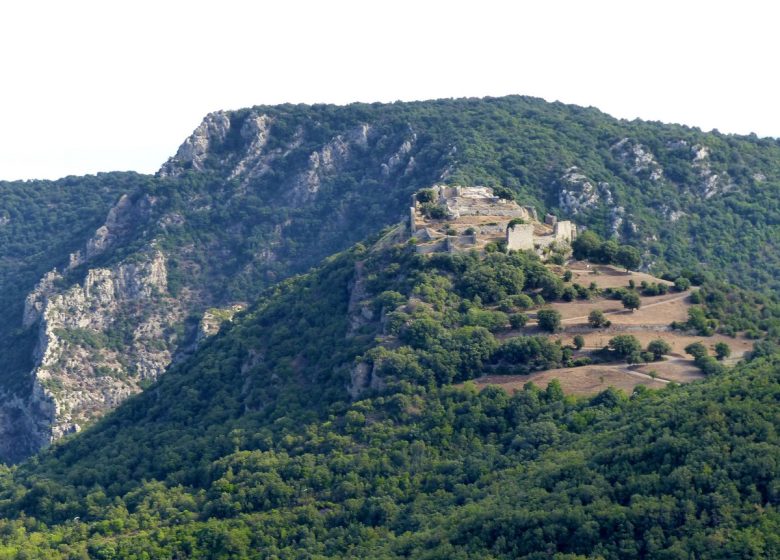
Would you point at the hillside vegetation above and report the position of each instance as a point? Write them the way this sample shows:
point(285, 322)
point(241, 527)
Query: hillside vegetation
point(324, 419)
point(259, 194)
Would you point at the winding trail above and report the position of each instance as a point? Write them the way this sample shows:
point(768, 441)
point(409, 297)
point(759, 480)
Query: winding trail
point(627, 311)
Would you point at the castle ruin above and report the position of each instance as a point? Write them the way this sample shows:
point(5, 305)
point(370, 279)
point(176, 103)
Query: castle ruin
point(455, 218)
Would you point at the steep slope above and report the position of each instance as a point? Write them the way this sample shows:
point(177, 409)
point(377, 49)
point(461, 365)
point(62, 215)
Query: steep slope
point(258, 194)
point(322, 421)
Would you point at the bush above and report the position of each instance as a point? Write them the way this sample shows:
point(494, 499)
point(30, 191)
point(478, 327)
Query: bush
point(625, 345)
point(697, 350)
point(518, 320)
point(631, 301)
point(425, 195)
point(596, 319)
point(520, 301)
point(722, 351)
point(682, 284)
point(491, 320)
point(549, 320)
point(658, 348)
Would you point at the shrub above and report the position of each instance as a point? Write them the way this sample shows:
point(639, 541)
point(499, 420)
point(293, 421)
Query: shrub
point(518, 320)
point(549, 320)
point(658, 348)
point(631, 301)
point(625, 345)
point(682, 284)
point(596, 319)
point(722, 351)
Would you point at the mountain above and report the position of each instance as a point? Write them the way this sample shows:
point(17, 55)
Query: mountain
point(334, 418)
point(257, 195)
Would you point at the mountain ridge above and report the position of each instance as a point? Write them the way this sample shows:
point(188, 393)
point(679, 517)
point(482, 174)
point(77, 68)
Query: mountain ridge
point(257, 194)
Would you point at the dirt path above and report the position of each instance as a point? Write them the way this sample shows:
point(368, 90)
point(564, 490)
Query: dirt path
point(627, 311)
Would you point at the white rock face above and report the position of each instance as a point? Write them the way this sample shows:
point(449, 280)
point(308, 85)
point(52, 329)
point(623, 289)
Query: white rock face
point(578, 193)
point(326, 162)
point(639, 158)
point(213, 130)
point(255, 131)
point(401, 155)
point(711, 183)
point(80, 371)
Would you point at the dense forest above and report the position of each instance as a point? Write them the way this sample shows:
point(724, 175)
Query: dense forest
point(255, 448)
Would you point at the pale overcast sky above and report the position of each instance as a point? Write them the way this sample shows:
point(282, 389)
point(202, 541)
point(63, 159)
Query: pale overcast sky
point(109, 85)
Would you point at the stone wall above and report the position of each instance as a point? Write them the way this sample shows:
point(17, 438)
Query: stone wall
point(565, 231)
point(520, 237)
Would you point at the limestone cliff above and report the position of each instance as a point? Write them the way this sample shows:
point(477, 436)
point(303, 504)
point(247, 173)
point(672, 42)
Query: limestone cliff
point(247, 199)
point(99, 341)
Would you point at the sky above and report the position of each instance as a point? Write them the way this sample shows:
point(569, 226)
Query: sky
point(88, 86)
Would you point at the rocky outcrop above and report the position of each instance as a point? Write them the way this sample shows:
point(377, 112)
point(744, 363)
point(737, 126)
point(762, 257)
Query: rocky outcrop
point(100, 340)
point(360, 310)
point(193, 152)
point(401, 157)
point(326, 162)
point(214, 318)
point(711, 183)
point(578, 193)
point(105, 320)
point(638, 158)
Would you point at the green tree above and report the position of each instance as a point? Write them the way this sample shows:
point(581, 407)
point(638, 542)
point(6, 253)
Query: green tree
point(549, 320)
point(608, 251)
point(682, 284)
point(597, 319)
point(631, 300)
point(722, 351)
point(624, 345)
point(579, 341)
point(628, 257)
point(586, 246)
point(659, 348)
point(696, 349)
point(518, 320)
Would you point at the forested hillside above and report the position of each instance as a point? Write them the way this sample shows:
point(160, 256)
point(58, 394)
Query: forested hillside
point(257, 195)
point(325, 420)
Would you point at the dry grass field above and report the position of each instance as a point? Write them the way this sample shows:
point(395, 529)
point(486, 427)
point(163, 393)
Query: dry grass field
point(651, 321)
point(587, 380)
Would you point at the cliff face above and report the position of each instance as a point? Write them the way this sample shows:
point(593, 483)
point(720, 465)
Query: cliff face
point(243, 203)
point(100, 339)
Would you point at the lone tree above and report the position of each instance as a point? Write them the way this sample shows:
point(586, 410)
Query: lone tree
point(631, 301)
point(597, 320)
point(624, 345)
point(697, 350)
point(682, 284)
point(628, 257)
point(722, 351)
point(658, 348)
point(579, 342)
point(549, 320)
